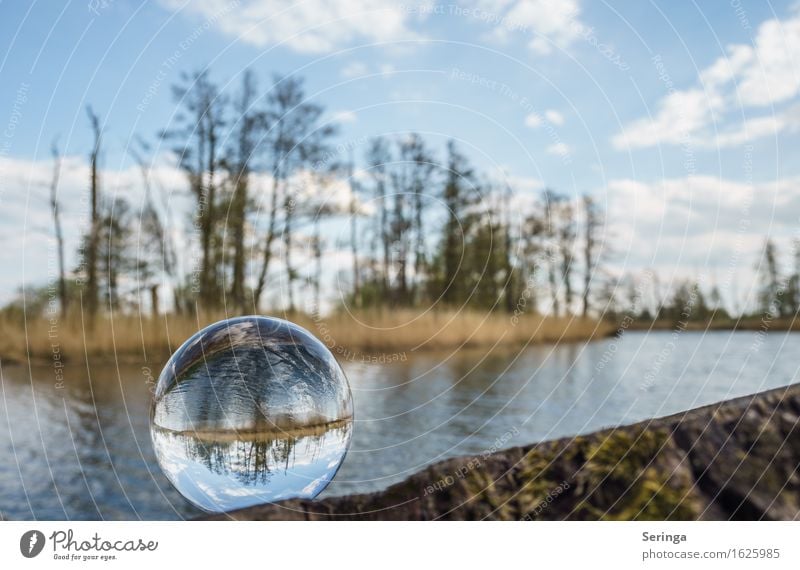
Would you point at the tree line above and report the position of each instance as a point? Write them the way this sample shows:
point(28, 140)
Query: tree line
point(425, 228)
point(775, 294)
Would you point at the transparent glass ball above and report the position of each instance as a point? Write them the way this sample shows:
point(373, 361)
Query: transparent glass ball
point(251, 410)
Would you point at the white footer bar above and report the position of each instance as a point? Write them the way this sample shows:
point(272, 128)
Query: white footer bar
point(355, 545)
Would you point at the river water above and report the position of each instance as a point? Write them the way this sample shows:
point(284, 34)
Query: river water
point(83, 450)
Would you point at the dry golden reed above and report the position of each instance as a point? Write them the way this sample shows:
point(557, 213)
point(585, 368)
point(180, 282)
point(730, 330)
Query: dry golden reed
point(132, 338)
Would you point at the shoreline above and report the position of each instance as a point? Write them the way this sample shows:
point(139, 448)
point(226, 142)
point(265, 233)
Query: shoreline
point(746, 325)
point(735, 459)
point(267, 433)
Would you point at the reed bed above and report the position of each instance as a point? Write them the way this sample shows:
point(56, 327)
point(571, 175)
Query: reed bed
point(393, 331)
point(379, 335)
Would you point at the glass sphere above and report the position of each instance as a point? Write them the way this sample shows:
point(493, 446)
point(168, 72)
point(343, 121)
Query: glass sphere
point(251, 410)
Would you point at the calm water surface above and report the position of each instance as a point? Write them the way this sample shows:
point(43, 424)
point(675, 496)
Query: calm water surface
point(84, 451)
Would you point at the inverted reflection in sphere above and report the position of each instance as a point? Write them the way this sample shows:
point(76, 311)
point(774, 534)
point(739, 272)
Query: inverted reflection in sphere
point(251, 410)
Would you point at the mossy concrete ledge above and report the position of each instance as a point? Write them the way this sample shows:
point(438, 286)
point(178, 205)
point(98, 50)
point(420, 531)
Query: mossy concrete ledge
point(738, 459)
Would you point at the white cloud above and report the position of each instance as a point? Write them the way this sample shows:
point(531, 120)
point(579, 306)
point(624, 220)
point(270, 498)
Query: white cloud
point(682, 208)
point(524, 184)
point(554, 117)
point(360, 69)
point(773, 73)
point(751, 129)
point(322, 26)
point(747, 78)
point(519, 184)
point(311, 26)
point(355, 69)
point(679, 115)
point(559, 149)
point(344, 117)
point(533, 120)
point(689, 226)
point(548, 23)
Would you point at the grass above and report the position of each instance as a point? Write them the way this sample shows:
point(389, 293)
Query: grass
point(372, 336)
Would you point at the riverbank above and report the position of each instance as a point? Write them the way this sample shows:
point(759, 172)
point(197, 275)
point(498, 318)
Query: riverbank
point(732, 460)
point(369, 336)
point(744, 324)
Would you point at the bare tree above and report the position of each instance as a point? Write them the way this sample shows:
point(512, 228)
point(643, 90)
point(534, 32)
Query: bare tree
point(91, 244)
point(567, 235)
point(507, 262)
point(533, 250)
point(156, 247)
point(770, 294)
point(281, 100)
point(410, 178)
point(459, 195)
point(272, 226)
point(401, 224)
point(593, 222)
point(794, 280)
point(551, 200)
point(197, 137)
point(353, 211)
point(297, 139)
point(114, 249)
point(248, 129)
point(422, 163)
point(378, 158)
point(55, 209)
point(319, 209)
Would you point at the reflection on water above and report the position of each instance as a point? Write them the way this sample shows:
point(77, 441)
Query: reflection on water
point(221, 471)
point(84, 452)
point(251, 410)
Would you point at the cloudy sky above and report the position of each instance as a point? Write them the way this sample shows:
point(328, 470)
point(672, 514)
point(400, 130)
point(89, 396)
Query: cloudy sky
point(682, 119)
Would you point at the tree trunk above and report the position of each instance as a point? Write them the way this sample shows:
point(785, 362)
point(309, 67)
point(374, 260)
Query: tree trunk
point(93, 294)
point(59, 234)
point(384, 242)
point(508, 267)
point(271, 229)
point(205, 237)
point(177, 301)
point(554, 286)
point(587, 278)
point(419, 245)
point(353, 240)
point(590, 243)
point(318, 267)
point(288, 207)
point(154, 300)
point(239, 213)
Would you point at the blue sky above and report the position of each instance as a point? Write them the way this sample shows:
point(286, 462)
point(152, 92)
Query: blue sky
point(682, 119)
